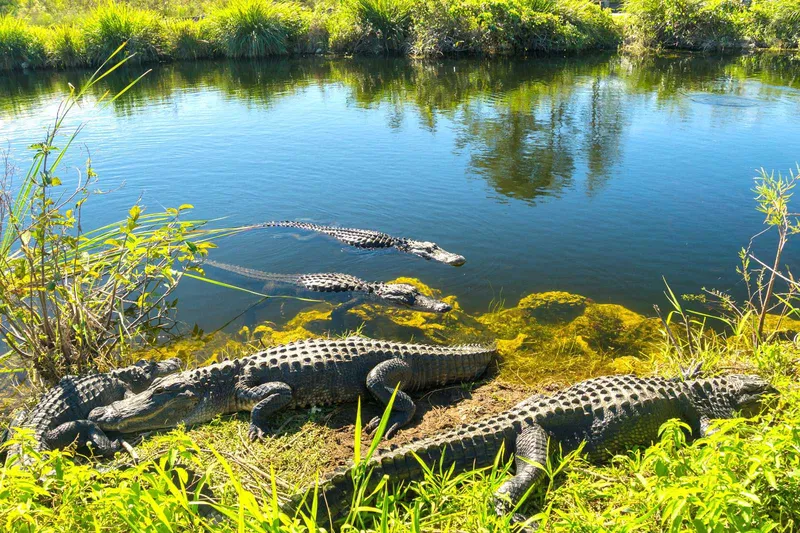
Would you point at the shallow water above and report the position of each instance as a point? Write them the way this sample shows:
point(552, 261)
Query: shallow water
point(594, 175)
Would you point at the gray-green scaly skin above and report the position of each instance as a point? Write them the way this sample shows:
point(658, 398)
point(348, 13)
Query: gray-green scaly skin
point(61, 416)
point(299, 374)
point(610, 414)
point(374, 240)
point(396, 294)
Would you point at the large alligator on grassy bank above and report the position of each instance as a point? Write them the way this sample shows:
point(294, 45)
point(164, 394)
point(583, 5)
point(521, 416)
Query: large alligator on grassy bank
point(61, 416)
point(397, 294)
point(299, 374)
point(609, 414)
point(374, 240)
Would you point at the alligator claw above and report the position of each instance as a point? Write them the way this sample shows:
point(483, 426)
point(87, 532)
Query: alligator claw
point(373, 425)
point(375, 422)
point(255, 433)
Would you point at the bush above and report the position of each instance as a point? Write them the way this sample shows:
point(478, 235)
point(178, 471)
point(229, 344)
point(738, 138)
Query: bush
point(686, 24)
point(21, 45)
point(258, 28)
point(114, 24)
point(510, 26)
point(775, 23)
point(189, 40)
point(66, 47)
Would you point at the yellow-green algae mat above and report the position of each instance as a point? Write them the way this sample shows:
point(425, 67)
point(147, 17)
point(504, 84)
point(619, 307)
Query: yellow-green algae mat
point(545, 342)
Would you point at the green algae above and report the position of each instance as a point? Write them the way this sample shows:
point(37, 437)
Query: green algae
point(550, 337)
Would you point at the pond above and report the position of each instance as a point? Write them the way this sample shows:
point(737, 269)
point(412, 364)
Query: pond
point(594, 175)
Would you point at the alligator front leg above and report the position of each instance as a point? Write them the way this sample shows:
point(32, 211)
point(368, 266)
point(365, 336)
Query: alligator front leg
point(83, 433)
point(381, 382)
point(268, 398)
point(531, 450)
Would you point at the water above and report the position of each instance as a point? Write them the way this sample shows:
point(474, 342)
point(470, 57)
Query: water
point(593, 175)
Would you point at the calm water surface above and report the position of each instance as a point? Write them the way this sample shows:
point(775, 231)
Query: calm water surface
point(590, 175)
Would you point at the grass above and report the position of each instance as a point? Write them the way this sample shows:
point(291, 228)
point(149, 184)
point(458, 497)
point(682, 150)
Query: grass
point(713, 24)
point(258, 28)
point(57, 33)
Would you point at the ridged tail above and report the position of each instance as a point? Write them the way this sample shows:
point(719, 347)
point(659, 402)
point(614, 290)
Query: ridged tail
point(254, 274)
point(466, 447)
point(440, 365)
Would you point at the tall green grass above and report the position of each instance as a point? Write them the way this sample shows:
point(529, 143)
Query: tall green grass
point(114, 24)
point(258, 28)
point(21, 45)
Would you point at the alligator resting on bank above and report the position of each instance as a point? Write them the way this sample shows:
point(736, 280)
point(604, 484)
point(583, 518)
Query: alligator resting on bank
point(609, 414)
point(299, 374)
point(370, 239)
point(61, 416)
point(397, 294)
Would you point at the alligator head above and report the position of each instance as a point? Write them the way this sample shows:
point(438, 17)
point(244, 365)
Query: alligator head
point(740, 392)
point(405, 295)
point(749, 392)
point(430, 250)
point(189, 397)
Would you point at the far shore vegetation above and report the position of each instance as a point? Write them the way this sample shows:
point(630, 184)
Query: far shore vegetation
point(63, 33)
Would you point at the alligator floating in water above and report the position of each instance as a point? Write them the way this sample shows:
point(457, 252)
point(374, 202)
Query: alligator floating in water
point(299, 374)
point(372, 240)
point(61, 416)
point(397, 294)
point(609, 414)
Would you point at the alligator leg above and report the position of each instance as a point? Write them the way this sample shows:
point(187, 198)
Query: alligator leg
point(83, 433)
point(381, 382)
point(531, 450)
point(339, 312)
point(268, 398)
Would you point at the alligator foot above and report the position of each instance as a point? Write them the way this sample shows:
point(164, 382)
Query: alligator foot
point(255, 433)
point(396, 421)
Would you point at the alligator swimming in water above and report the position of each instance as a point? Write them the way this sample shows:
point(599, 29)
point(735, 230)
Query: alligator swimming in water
point(609, 414)
point(398, 294)
point(299, 374)
point(372, 240)
point(61, 416)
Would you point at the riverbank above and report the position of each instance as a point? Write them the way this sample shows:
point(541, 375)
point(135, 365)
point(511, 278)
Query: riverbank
point(546, 342)
point(54, 35)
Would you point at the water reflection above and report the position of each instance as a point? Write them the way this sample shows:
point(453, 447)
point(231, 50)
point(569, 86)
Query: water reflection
point(526, 125)
point(601, 173)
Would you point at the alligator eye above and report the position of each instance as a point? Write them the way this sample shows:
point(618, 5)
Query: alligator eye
point(159, 390)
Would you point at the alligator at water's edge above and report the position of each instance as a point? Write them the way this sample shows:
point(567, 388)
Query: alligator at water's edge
point(397, 294)
point(299, 374)
point(610, 414)
point(61, 416)
point(373, 240)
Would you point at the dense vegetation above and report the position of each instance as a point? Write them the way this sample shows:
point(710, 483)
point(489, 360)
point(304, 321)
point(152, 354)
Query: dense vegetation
point(56, 33)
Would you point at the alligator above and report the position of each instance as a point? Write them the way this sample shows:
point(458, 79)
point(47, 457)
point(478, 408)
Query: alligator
point(607, 415)
point(298, 374)
point(397, 294)
point(60, 417)
point(373, 240)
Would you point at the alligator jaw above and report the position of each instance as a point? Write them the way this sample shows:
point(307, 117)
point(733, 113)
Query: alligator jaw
point(431, 305)
point(430, 250)
point(170, 402)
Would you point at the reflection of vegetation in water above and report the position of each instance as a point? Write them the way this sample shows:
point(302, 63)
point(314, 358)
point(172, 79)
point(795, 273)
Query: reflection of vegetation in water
point(527, 125)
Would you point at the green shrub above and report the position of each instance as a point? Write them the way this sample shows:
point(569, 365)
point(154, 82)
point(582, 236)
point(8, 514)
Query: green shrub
point(259, 28)
point(189, 40)
point(66, 47)
point(775, 23)
point(20, 45)
point(686, 24)
point(510, 26)
point(113, 24)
